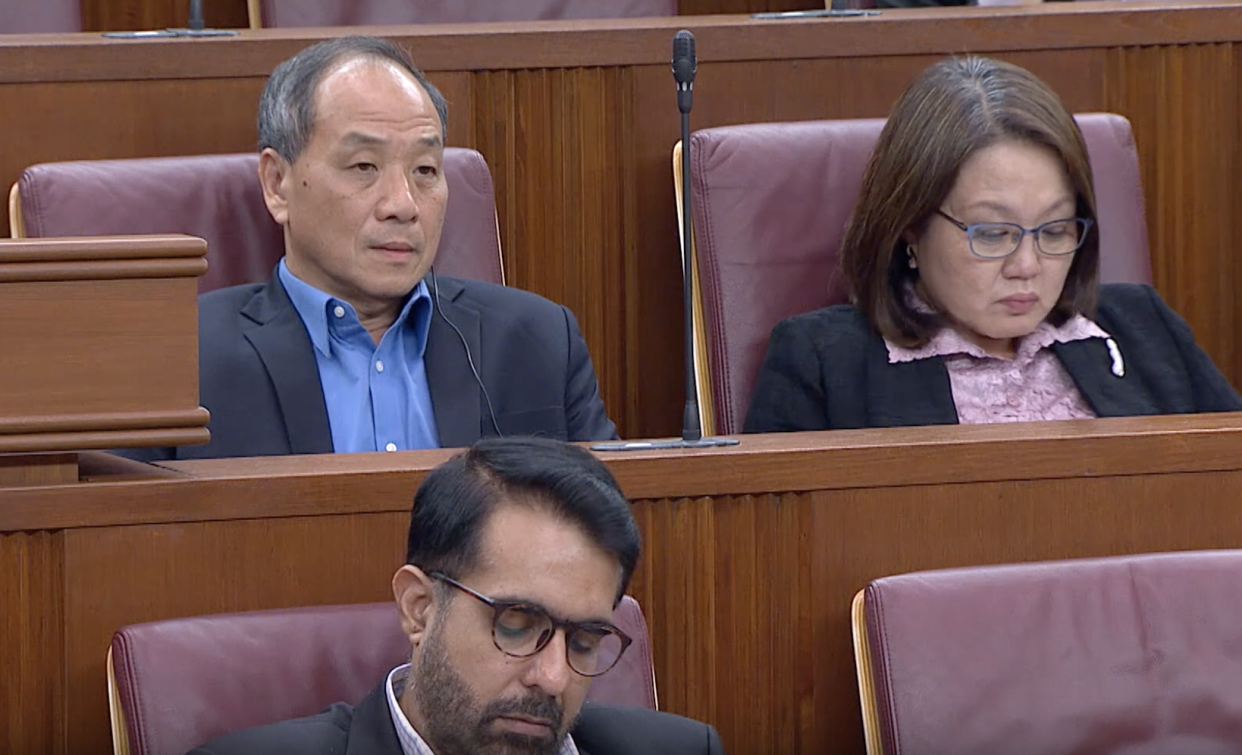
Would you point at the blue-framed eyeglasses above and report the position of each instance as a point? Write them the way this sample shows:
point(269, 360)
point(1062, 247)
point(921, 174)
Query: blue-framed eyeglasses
point(993, 241)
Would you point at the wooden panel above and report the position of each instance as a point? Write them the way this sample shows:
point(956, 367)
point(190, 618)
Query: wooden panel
point(38, 469)
point(32, 640)
point(100, 337)
point(128, 15)
point(1190, 180)
point(125, 575)
point(725, 583)
point(556, 141)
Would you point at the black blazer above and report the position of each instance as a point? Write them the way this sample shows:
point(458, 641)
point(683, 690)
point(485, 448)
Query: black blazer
point(259, 379)
point(368, 730)
point(829, 369)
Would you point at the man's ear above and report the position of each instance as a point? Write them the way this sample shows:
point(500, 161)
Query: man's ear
point(416, 601)
point(274, 177)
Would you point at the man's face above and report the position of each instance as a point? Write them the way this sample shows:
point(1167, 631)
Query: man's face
point(465, 695)
point(363, 204)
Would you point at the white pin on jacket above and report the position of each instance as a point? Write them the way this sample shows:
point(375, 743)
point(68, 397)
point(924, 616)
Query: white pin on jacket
point(1119, 365)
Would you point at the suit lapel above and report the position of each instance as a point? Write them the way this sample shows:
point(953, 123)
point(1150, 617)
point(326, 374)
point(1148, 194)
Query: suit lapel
point(1090, 365)
point(372, 731)
point(909, 393)
point(455, 395)
point(279, 337)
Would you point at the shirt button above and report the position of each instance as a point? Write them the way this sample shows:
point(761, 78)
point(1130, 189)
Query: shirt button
point(390, 447)
point(379, 366)
point(339, 311)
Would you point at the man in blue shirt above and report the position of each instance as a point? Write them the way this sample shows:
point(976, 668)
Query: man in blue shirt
point(355, 344)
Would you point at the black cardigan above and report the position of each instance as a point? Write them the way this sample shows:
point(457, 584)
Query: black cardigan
point(829, 369)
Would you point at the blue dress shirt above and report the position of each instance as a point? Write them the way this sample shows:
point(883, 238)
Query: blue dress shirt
point(377, 395)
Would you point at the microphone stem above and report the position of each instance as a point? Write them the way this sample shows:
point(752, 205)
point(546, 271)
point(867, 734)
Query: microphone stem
point(692, 429)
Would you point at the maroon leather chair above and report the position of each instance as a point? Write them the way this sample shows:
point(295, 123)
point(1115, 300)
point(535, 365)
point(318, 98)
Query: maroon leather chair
point(283, 13)
point(175, 684)
point(31, 17)
point(218, 198)
point(770, 206)
point(1094, 656)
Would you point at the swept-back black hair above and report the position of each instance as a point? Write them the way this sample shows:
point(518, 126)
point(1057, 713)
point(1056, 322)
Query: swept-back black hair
point(287, 105)
point(452, 505)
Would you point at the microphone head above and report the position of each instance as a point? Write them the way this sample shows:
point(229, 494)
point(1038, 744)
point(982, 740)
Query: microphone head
point(684, 61)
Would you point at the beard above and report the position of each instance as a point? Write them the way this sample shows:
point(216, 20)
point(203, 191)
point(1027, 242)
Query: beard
point(458, 724)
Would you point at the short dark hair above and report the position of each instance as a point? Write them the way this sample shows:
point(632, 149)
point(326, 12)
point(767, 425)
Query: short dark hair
point(952, 110)
point(454, 502)
point(287, 105)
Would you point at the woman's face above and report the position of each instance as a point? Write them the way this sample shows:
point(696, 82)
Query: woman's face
point(992, 302)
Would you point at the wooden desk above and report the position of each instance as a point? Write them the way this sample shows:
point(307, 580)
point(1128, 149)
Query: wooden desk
point(751, 555)
point(577, 121)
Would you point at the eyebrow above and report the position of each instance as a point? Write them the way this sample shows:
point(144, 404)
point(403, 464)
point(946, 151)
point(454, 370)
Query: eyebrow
point(1001, 208)
point(556, 616)
point(359, 139)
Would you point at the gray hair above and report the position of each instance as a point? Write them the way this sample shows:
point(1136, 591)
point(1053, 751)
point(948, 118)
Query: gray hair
point(287, 106)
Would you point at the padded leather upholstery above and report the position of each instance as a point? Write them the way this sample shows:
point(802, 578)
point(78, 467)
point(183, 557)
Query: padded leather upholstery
point(38, 16)
point(770, 206)
point(283, 13)
point(183, 682)
point(1135, 654)
point(218, 198)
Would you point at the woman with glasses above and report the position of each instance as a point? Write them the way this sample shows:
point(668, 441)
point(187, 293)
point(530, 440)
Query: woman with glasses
point(972, 262)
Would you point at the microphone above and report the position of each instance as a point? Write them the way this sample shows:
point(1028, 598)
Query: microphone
point(685, 65)
point(196, 27)
point(196, 22)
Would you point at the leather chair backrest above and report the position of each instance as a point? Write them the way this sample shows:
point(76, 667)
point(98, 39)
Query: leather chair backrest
point(285, 13)
point(770, 206)
point(1135, 654)
point(40, 16)
point(179, 683)
point(218, 198)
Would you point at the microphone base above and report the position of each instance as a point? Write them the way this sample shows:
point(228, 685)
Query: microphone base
point(660, 445)
point(201, 32)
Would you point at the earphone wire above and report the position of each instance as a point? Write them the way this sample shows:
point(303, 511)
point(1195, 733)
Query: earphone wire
point(491, 413)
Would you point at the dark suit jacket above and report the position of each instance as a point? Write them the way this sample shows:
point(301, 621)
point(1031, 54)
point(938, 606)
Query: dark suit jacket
point(829, 369)
point(368, 730)
point(259, 379)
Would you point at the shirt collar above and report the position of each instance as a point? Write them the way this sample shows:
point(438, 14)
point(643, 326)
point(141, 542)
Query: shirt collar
point(317, 308)
point(949, 342)
point(411, 742)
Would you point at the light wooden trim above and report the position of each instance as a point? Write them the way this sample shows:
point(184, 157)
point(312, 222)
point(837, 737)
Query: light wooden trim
point(120, 735)
point(500, 251)
point(17, 225)
point(866, 675)
point(256, 14)
point(702, 364)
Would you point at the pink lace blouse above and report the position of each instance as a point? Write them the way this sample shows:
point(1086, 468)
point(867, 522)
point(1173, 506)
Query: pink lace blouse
point(1031, 387)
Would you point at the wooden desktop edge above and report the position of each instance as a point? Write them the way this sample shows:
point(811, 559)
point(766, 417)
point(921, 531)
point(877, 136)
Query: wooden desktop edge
point(292, 486)
point(579, 43)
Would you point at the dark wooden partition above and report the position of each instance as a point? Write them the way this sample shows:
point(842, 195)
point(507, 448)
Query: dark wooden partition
point(577, 120)
point(751, 554)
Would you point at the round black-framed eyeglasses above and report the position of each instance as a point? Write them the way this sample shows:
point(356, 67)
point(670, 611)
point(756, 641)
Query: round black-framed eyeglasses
point(521, 630)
